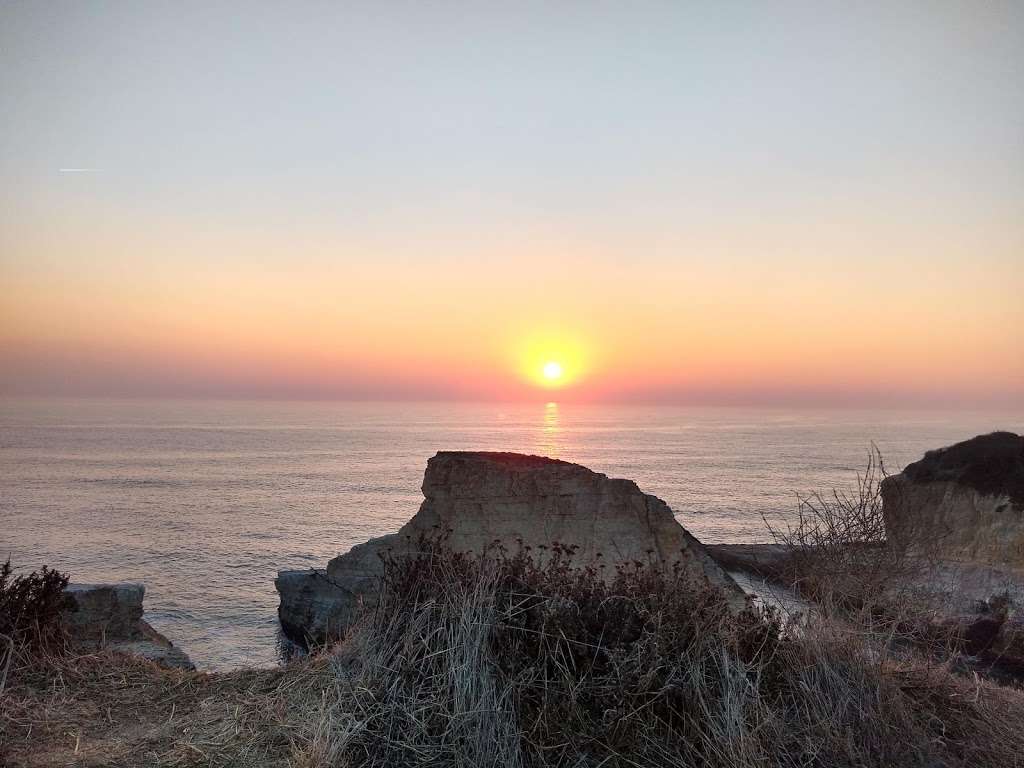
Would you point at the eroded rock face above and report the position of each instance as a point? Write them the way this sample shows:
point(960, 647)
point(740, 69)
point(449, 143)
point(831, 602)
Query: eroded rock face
point(110, 616)
point(482, 498)
point(963, 503)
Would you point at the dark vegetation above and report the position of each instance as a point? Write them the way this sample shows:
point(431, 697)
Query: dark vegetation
point(30, 606)
point(30, 611)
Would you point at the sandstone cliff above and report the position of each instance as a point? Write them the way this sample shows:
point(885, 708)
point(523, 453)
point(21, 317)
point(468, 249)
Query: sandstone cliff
point(963, 503)
point(483, 498)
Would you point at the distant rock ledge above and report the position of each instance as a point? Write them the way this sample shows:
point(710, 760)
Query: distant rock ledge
point(109, 616)
point(959, 511)
point(480, 498)
point(963, 503)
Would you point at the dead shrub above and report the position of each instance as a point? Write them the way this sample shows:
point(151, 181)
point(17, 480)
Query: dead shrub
point(839, 555)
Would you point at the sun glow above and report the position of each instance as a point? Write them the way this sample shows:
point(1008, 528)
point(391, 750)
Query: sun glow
point(551, 359)
point(552, 370)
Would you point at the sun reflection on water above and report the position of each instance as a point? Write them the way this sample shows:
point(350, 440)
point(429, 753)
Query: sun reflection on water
point(550, 439)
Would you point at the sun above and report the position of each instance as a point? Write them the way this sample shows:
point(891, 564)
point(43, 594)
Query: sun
point(552, 370)
point(550, 359)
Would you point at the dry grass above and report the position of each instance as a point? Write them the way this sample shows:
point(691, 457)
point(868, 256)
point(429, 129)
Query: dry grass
point(515, 665)
point(114, 710)
point(503, 662)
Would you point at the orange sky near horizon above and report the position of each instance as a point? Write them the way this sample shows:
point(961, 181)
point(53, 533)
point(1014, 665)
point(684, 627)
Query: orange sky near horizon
point(370, 319)
point(734, 204)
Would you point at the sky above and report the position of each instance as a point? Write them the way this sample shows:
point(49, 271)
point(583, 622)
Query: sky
point(716, 202)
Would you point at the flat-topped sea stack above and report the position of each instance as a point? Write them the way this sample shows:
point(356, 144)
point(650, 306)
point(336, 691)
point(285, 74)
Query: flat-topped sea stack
point(98, 616)
point(963, 503)
point(478, 499)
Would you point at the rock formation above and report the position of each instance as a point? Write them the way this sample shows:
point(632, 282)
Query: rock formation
point(482, 498)
point(110, 616)
point(964, 503)
point(958, 514)
point(769, 561)
point(960, 511)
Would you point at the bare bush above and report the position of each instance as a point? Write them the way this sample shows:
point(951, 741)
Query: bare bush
point(838, 551)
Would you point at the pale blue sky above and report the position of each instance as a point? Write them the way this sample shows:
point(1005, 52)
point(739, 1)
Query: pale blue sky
point(461, 110)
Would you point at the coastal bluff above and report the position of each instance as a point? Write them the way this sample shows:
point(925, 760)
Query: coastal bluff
point(479, 499)
point(963, 503)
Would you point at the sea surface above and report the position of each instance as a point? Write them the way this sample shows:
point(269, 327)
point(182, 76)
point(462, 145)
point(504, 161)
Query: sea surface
point(205, 501)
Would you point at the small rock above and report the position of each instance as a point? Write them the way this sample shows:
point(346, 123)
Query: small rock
point(109, 616)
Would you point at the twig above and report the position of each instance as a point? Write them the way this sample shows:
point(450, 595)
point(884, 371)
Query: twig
point(7, 660)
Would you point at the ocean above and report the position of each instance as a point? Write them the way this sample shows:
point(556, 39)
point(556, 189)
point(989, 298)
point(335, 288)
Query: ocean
point(205, 501)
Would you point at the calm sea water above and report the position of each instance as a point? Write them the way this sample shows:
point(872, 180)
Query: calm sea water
point(205, 501)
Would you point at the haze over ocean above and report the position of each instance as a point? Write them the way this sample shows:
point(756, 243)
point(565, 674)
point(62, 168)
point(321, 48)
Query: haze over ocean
point(204, 501)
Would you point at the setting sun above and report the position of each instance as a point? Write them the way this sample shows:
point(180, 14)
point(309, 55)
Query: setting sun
point(551, 358)
point(552, 371)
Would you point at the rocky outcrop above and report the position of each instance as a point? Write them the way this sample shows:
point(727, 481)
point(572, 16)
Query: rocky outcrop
point(769, 561)
point(109, 616)
point(482, 498)
point(964, 503)
point(313, 606)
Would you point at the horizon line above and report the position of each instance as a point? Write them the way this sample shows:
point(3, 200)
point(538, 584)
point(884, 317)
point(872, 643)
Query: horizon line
point(885, 405)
